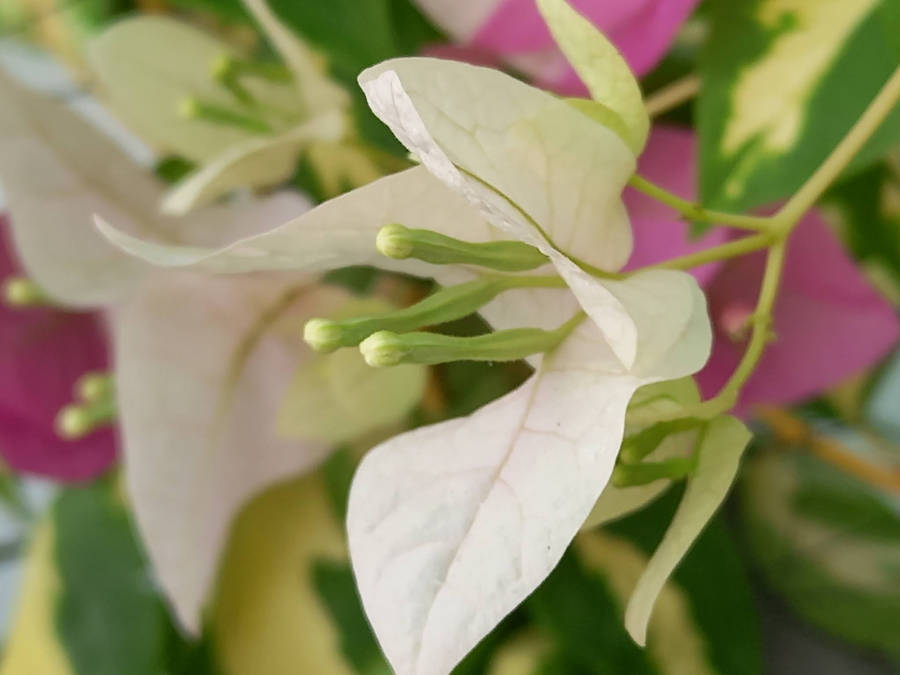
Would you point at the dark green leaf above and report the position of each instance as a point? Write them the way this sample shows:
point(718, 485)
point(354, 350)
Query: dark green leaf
point(336, 588)
point(109, 617)
point(578, 609)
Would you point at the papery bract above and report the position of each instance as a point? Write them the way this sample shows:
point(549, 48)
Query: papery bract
point(149, 88)
point(202, 364)
point(513, 29)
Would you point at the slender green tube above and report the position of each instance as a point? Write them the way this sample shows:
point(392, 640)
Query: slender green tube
point(447, 304)
point(641, 444)
point(390, 349)
point(194, 109)
point(397, 241)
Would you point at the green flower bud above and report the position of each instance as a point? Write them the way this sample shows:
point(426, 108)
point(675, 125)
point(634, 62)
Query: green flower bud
point(23, 292)
point(399, 242)
point(93, 387)
point(193, 109)
point(324, 335)
point(385, 348)
point(394, 241)
point(447, 304)
point(76, 421)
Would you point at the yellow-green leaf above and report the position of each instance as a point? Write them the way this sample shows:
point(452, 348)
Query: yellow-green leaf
point(602, 69)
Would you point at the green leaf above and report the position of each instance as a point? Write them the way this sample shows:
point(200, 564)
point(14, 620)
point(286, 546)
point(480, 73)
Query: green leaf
point(353, 35)
point(718, 456)
point(870, 230)
point(783, 81)
point(714, 581)
point(336, 588)
point(828, 542)
point(583, 615)
point(337, 591)
point(267, 617)
point(603, 70)
point(109, 617)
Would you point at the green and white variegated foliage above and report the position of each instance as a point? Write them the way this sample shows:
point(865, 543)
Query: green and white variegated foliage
point(203, 365)
point(783, 81)
point(452, 525)
point(148, 84)
point(818, 533)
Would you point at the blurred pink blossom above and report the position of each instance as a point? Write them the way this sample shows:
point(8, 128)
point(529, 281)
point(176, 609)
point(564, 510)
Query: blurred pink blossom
point(830, 323)
point(513, 31)
point(43, 352)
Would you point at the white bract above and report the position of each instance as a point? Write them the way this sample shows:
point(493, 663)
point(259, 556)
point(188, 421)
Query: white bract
point(203, 365)
point(452, 525)
point(151, 67)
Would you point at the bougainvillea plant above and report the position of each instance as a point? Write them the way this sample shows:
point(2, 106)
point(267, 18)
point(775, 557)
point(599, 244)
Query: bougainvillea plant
point(650, 298)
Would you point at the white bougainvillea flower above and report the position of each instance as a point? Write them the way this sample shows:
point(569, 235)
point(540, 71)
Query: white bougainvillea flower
point(207, 369)
point(247, 134)
point(452, 525)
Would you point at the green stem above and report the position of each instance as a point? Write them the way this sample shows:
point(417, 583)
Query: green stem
point(780, 227)
point(840, 157)
point(386, 348)
point(732, 249)
point(447, 304)
point(761, 323)
point(695, 212)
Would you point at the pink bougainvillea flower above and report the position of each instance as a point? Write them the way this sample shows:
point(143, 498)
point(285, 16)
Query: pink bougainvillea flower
point(43, 352)
point(829, 322)
point(515, 32)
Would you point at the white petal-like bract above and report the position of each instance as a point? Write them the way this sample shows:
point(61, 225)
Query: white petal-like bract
point(202, 365)
point(452, 525)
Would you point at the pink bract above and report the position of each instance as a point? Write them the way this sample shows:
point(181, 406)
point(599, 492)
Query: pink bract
point(515, 31)
point(830, 323)
point(43, 352)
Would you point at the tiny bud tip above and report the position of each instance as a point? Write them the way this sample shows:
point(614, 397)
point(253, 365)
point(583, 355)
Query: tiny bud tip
point(393, 241)
point(222, 67)
point(189, 108)
point(322, 335)
point(22, 292)
point(93, 386)
point(72, 422)
point(382, 349)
